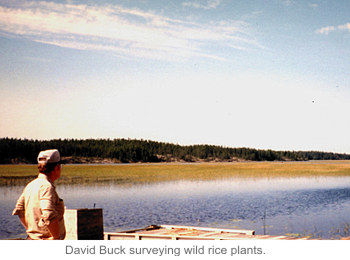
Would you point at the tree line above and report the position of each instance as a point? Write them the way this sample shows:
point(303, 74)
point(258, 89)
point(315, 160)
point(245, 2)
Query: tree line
point(14, 150)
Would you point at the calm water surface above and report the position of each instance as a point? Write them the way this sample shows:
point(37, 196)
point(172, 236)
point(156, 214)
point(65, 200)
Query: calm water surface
point(317, 206)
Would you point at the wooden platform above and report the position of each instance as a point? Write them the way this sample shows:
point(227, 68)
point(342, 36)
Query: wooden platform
point(167, 232)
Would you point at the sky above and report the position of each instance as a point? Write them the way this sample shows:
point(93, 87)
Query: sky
point(236, 73)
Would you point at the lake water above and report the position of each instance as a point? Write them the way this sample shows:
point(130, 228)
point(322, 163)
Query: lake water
point(277, 206)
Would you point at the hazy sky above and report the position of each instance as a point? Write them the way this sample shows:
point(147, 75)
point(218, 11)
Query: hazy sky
point(239, 73)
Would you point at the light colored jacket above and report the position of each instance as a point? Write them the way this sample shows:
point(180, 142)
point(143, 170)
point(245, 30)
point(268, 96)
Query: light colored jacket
point(39, 204)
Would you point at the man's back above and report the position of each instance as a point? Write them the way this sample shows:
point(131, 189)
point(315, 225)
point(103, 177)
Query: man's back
point(40, 204)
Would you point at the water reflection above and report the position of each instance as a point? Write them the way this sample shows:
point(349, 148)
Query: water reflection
point(275, 206)
point(236, 185)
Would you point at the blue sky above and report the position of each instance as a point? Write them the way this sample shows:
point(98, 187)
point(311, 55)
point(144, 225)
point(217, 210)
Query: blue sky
point(261, 74)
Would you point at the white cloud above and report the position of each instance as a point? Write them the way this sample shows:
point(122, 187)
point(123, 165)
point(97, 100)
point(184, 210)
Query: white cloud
point(210, 4)
point(344, 27)
point(327, 29)
point(288, 2)
point(129, 32)
point(313, 5)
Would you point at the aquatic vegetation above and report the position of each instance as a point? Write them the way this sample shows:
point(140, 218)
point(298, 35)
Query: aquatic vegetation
point(161, 172)
point(341, 231)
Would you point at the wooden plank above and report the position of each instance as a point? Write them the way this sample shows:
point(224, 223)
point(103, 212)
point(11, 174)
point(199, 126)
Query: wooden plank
point(241, 231)
point(167, 232)
point(121, 236)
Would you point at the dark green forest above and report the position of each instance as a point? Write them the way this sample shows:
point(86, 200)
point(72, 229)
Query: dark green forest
point(131, 151)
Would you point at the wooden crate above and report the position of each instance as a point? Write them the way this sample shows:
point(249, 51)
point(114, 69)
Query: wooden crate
point(84, 224)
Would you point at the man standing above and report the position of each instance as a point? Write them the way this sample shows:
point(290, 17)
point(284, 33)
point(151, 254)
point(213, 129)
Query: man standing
point(39, 208)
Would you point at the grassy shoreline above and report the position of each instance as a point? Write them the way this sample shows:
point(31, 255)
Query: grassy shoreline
point(161, 172)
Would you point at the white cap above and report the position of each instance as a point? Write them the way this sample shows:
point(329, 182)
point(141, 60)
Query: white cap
point(49, 156)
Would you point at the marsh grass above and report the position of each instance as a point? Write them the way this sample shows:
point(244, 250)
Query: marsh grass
point(336, 233)
point(151, 173)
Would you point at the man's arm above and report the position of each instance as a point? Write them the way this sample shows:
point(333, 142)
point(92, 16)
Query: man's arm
point(49, 215)
point(23, 221)
point(19, 210)
point(54, 229)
